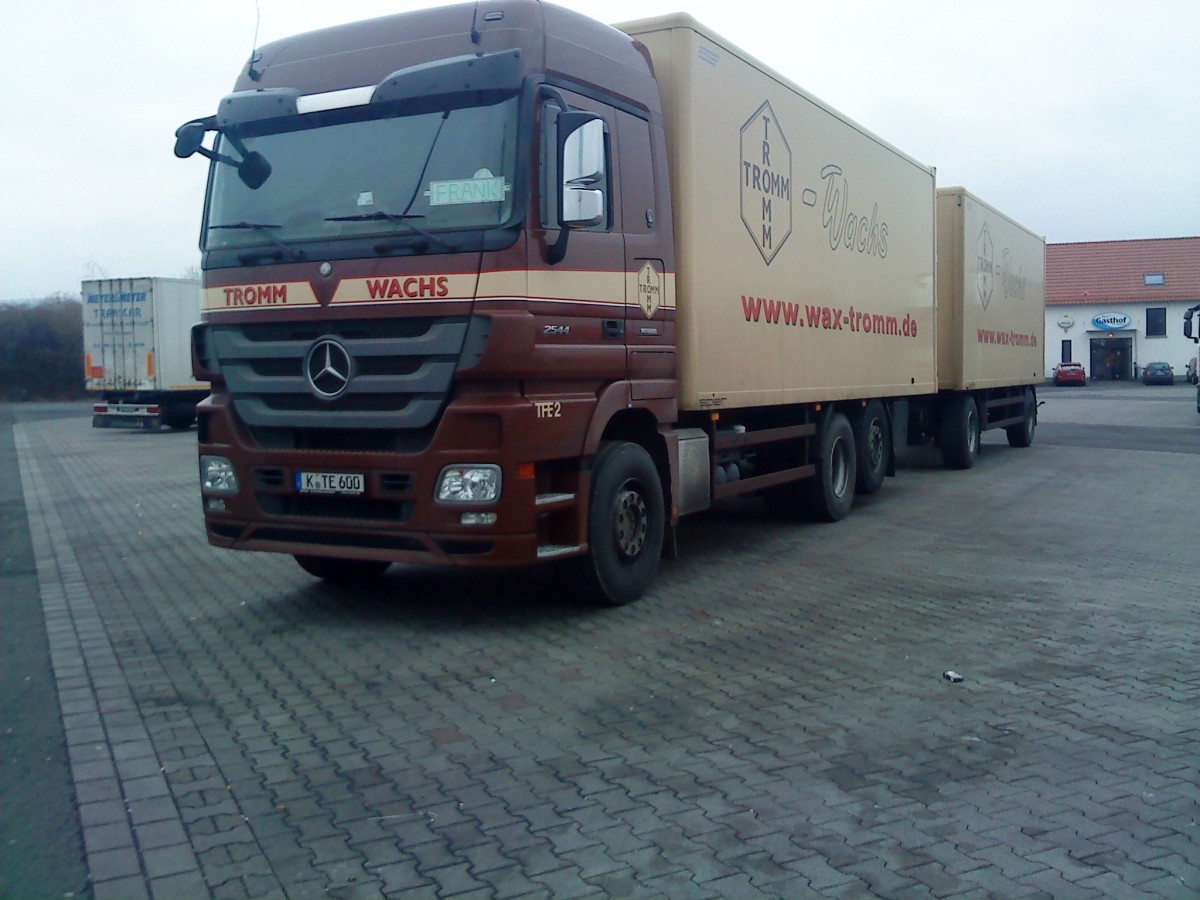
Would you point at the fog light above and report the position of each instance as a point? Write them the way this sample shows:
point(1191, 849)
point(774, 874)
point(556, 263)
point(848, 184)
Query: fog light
point(478, 518)
point(217, 475)
point(214, 504)
point(469, 484)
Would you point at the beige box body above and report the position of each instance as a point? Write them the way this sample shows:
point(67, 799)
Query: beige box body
point(991, 278)
point(804, 244)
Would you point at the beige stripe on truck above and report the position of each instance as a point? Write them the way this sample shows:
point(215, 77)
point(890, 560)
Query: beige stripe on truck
point(266, 295)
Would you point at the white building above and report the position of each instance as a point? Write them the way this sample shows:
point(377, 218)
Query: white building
point(1117, 305)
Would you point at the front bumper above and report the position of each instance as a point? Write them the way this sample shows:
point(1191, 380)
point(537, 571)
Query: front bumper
point(396, 517)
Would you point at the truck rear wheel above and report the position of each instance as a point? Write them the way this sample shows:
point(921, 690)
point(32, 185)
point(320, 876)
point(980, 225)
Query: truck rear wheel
point(341, 571)
point(829, 496)
point(873, 446)
point(1022, 435)
point(626, 525)
point(959, 433)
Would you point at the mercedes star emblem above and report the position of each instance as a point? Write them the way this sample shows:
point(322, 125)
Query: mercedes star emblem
point(328, 368)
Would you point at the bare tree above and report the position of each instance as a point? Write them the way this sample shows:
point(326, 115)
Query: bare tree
point(41, 349)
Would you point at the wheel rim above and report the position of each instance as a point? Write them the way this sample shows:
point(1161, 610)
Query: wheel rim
point(972, 433)
point(875, 445)
point(630, 522)
point(839, 469)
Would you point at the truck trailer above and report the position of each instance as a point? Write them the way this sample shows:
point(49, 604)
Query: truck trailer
point(497, 285)
point(137, 351)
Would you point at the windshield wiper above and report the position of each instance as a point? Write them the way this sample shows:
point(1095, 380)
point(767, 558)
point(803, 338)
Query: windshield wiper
point(405, 220)
point(377, 216)
point(265, 230)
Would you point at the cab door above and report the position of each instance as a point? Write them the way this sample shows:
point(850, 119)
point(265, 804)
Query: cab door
point(580, 298)
point(649, 279)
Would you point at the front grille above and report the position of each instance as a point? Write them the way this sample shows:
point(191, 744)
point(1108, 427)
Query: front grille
point(395, 482)
point(270, 479)
point(403, 369)
point(323, 507)
point(411, 441)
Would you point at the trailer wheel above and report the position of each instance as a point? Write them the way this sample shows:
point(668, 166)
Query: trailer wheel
point(341, 571)
point(626, 525)
point(829, 496)
point(959, 433)
point(873, 446)
point(1022, 435)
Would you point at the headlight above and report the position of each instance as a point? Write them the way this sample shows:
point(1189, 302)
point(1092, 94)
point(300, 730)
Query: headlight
point(474, 484)
point(217, 475)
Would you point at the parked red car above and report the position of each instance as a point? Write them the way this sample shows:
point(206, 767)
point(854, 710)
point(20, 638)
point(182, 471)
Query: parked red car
point(1070, 373)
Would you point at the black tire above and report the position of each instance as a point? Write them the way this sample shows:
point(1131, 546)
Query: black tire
point(829, 496)
point(179, 418)
point(873, 447)
point(626, 525)
point(1022, 435)
point(959, 434)
point(342, 571)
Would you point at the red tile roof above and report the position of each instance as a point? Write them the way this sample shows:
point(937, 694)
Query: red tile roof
point(1112, 271)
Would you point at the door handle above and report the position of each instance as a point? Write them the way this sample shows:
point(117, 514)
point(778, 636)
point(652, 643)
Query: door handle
point(612, 329)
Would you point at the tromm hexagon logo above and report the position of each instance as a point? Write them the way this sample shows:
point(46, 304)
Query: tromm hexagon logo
point(649, 289)
point(986, 255)
point(328, 368)
point(766, 182)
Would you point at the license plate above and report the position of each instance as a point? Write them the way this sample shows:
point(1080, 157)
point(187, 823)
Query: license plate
point(329, 483)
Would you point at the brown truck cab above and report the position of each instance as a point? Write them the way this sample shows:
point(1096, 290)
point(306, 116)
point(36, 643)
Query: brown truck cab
point(435, 256)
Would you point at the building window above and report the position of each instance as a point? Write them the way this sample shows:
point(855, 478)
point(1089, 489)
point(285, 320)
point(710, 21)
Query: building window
point(1066, 351)
point(1156, 321)
point(1154, 279)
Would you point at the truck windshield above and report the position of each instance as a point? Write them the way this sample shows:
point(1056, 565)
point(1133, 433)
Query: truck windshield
point(352, 174)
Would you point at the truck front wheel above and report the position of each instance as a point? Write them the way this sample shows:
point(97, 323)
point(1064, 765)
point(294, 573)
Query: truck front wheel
point(626, 524)
point(959, 432)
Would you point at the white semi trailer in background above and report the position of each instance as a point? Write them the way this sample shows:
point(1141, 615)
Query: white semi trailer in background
point(137, 351)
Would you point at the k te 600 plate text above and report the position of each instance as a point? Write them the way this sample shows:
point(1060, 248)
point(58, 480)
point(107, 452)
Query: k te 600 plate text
point(329, 483)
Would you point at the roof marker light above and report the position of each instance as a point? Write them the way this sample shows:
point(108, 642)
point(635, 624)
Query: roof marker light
point(359, 96)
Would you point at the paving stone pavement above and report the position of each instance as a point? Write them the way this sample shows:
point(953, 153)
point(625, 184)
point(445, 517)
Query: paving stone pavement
point(770, 721)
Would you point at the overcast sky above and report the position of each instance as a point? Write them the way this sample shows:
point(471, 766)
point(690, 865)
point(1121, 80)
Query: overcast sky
point(1079, 119)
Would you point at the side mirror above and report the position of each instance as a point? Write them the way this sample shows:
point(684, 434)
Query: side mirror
point(254, 170)
point(189, 138)
point(582, 201)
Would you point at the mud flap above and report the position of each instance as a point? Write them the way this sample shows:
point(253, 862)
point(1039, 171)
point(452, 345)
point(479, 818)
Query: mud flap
point(899, 413)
